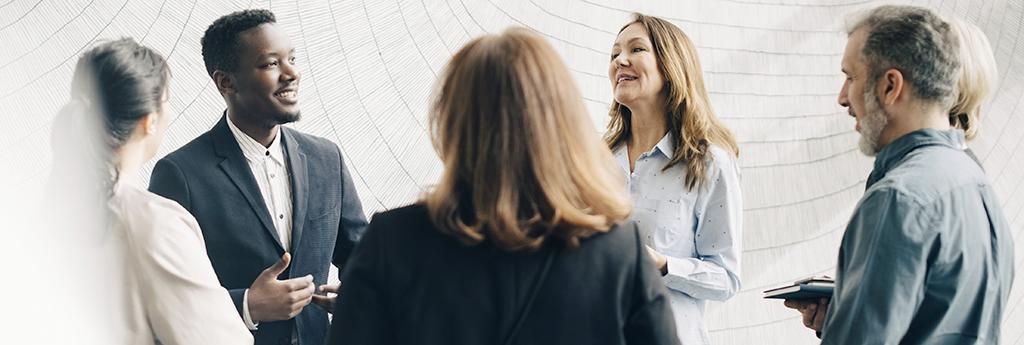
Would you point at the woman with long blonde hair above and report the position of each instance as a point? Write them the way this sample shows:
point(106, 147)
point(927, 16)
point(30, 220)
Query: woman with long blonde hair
point(680, 164)
point(978, 77)
point(522, 241)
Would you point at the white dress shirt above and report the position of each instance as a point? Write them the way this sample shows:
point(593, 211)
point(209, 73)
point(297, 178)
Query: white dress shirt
point(271, 172)
point(170, 294)
point(699, 231)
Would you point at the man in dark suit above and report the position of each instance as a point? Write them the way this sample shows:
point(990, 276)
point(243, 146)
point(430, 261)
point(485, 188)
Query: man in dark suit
point(276, 206)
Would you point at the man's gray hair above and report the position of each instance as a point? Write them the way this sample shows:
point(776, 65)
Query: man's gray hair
point(918, 43)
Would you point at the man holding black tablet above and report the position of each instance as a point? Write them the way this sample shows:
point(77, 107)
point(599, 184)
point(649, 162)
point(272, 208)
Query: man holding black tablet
point(927, 256)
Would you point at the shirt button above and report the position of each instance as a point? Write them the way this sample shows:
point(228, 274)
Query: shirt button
point(272, 175)
point(280, 216)
point(267, 153)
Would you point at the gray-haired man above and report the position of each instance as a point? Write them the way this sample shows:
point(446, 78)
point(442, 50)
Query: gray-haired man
point(927, 256)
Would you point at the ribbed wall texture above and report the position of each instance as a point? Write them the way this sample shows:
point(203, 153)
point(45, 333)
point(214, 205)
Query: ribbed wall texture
point(772, 67)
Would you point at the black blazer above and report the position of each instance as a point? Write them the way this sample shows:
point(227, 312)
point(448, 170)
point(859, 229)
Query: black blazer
point(211, 179)
point(406, 283)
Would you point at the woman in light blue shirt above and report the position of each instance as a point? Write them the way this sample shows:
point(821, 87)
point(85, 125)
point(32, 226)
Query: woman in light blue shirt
point(680, 162)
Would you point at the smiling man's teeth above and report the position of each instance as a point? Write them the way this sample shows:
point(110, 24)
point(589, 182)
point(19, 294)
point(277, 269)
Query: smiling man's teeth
point(286, 94)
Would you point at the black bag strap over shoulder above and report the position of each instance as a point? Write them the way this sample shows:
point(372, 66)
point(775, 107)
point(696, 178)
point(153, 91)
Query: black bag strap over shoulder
point(528, 305)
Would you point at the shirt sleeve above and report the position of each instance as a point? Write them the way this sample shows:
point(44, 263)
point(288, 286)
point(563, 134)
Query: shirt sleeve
point(183, 300)
point(881, 271)
point(353, 221)
point(714, 274)
point(246, 317)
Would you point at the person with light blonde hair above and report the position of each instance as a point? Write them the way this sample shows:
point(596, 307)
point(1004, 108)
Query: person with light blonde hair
point(680, 164)
point(523, 239)
point(978, 77)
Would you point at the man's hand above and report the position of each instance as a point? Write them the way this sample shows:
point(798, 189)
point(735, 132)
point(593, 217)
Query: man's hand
point(272, 300)
point(659, 260)
point(326, 301)
point(813, 311)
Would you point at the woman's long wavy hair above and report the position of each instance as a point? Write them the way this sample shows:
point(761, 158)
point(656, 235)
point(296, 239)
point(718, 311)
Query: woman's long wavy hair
point(522, 161)
point(688, 111)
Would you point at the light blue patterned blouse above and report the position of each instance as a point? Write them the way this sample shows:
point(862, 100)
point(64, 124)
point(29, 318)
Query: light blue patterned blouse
point(699, 231)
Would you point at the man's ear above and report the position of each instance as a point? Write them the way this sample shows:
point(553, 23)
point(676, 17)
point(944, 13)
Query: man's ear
point(224, 81)
point(892, 86)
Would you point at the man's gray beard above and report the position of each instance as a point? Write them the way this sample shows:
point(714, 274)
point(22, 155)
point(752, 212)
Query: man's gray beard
point(872, 124)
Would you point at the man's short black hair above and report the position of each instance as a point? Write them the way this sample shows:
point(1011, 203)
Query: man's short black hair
point(220, 42)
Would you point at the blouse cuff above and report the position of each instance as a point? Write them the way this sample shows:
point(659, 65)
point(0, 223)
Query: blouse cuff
point(677, 269)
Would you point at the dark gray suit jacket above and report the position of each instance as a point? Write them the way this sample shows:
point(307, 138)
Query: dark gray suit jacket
point(211, 179)
point(407, 283)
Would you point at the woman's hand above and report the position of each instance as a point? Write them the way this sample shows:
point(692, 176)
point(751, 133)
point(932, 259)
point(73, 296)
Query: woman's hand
point(659, 260)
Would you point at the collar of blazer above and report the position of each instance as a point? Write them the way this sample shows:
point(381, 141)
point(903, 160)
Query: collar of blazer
point(235, 166)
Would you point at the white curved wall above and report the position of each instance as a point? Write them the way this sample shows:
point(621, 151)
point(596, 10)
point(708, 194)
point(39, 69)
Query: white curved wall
point(772, 67)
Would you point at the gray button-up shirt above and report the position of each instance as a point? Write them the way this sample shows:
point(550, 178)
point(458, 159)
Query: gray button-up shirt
point(928, 254)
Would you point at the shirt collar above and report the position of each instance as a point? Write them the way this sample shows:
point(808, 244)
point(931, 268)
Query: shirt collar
point(667, 145)
point(892, 154)
point(253, 150)
point(622, 157)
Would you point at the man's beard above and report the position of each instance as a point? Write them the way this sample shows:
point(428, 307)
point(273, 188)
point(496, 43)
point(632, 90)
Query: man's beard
point(872, 123)
point(283, 118)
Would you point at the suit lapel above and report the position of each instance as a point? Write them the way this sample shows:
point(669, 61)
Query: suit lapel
point(237, 169)
point(300, 185)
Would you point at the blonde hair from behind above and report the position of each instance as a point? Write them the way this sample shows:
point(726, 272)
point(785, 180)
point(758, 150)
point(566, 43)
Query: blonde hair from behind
point(978, 77)
point(522, 160)
point(688, 111)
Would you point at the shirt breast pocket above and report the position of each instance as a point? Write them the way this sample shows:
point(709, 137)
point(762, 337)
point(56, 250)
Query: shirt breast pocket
point(671, 227)
point(322, 230)
point(326, 211)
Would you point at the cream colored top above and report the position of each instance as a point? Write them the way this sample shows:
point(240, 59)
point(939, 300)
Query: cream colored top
point(170, 294)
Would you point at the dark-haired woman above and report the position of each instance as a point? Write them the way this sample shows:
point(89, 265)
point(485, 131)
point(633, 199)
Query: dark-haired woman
point(165, 291)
